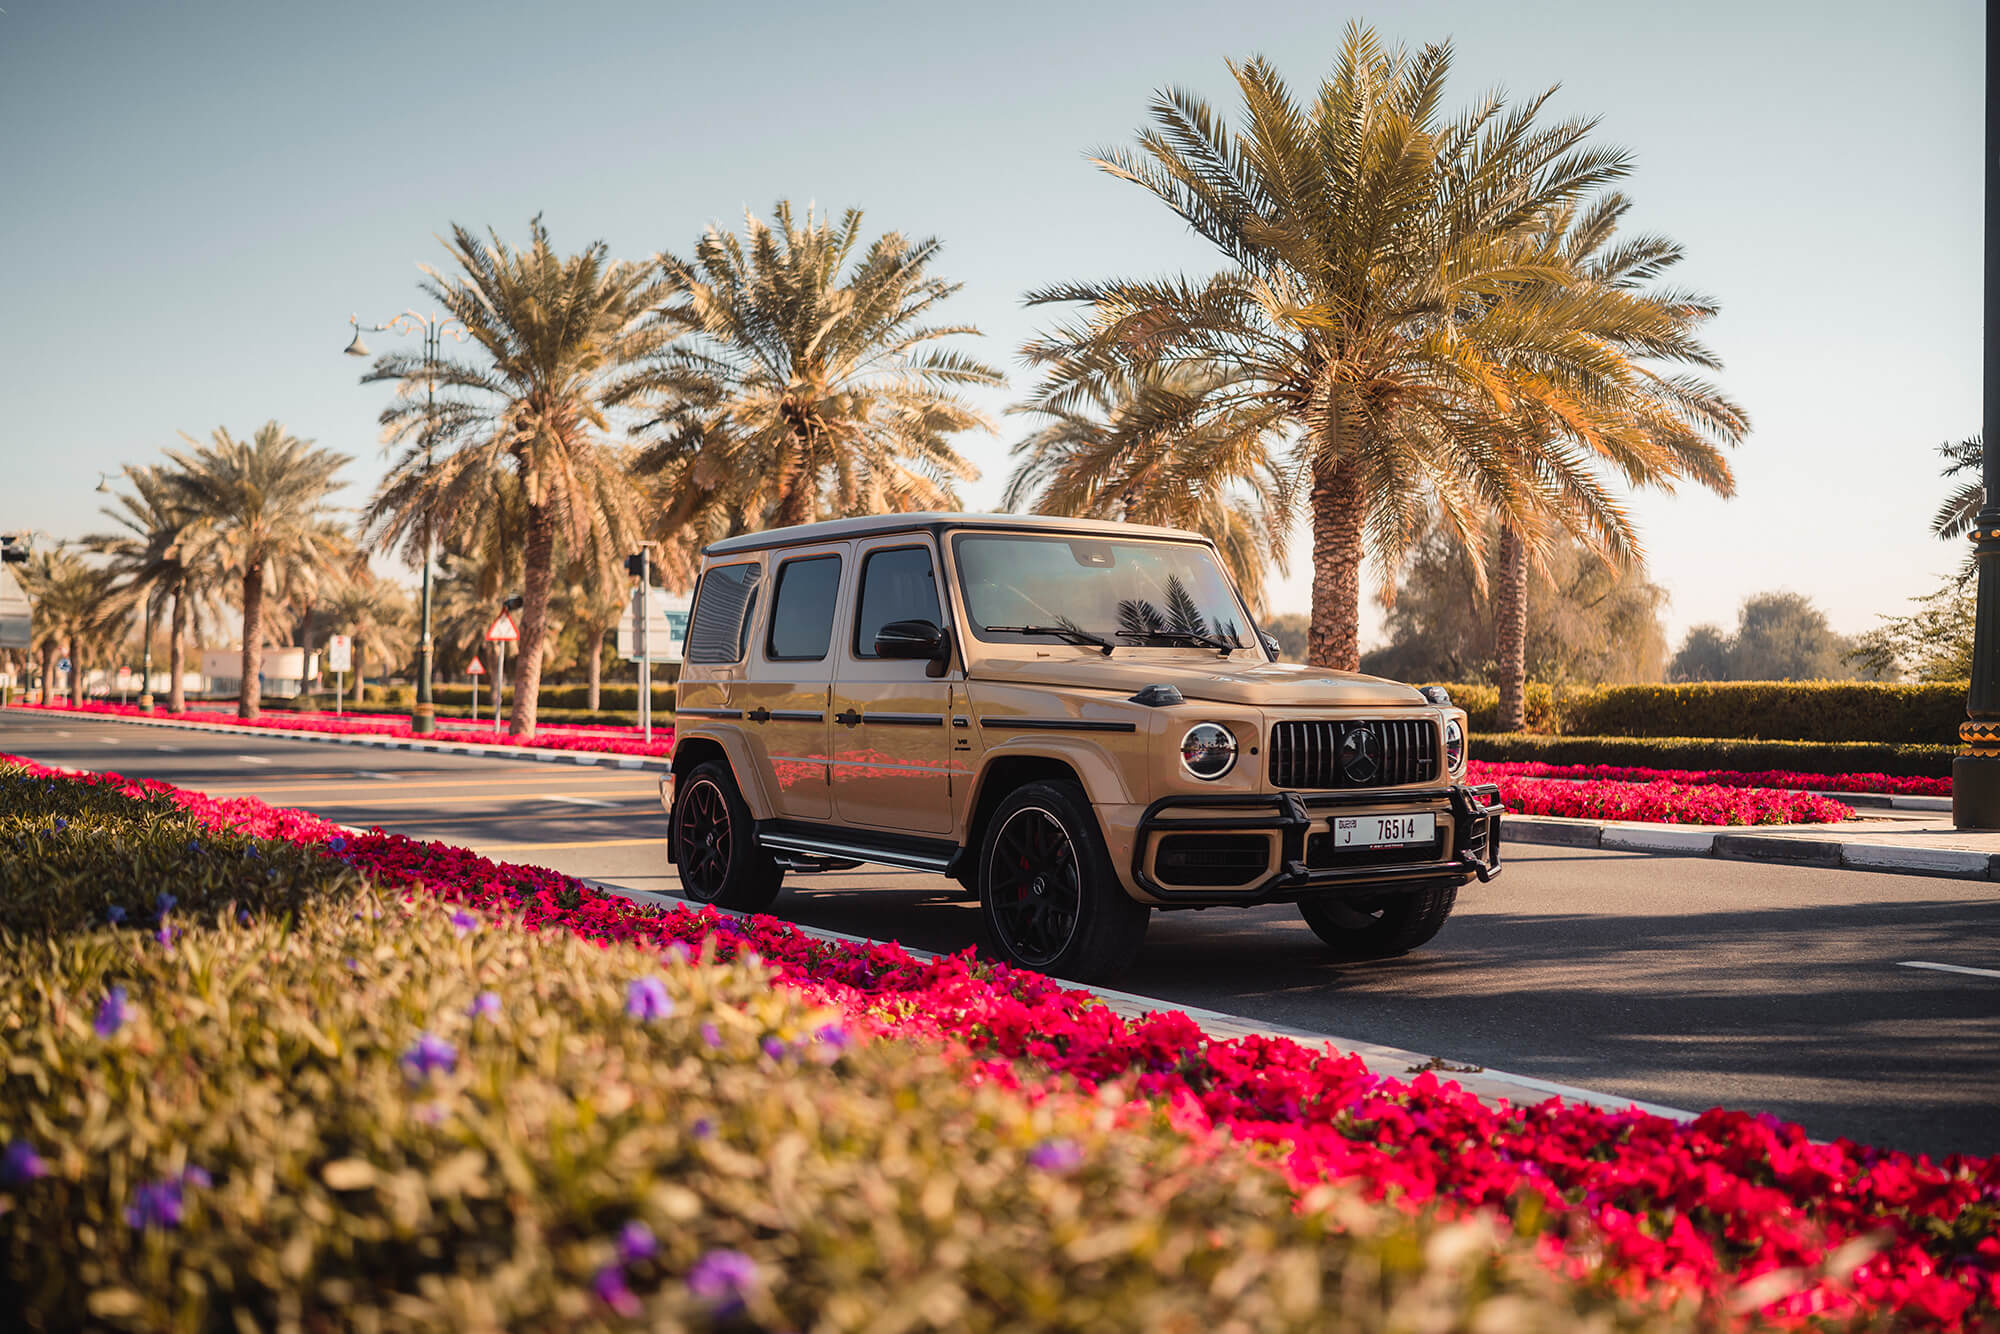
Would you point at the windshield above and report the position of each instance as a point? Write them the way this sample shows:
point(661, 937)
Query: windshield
point(1021, 589)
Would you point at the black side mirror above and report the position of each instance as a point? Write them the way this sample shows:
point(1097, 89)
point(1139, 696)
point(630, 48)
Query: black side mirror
point(921, 641)
point(1271, 649)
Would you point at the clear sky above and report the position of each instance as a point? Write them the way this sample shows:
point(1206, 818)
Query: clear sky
point(194, 197)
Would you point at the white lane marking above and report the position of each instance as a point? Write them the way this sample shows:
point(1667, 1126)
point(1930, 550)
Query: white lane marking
point(253, 759)
point(62, 734)
point(377, 775)
point(576, 801)
point(109, 741)
point(171, 750)
point(1950, 968)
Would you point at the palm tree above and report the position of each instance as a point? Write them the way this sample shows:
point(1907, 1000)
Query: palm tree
point(378, 616)
point(1367, 237)
point(1104, 459)
point(801, 386)
point(1650, 427)
point(148, 569)
point(561, 341)
point(259, 519)
point(69, 598)
point(1954, 518)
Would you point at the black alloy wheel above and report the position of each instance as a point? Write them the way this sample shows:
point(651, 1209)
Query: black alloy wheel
point(715, 844)
point(1048, 895)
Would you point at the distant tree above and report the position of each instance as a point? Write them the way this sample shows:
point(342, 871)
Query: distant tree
point(379, 617)
point(1780, 636)
point(66, 594)
point(149, 569)
point(1292, 631)
point(1932, 643)
point(1585, 620)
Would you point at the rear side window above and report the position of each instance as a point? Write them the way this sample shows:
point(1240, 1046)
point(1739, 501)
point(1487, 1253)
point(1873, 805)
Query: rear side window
point(896, 585)
point(723, 607)
point(802, 608)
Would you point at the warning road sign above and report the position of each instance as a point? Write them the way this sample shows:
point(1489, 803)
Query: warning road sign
point(502, 631)
point(477, 668)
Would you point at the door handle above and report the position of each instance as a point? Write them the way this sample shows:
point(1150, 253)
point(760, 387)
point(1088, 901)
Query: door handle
point(759, 715)
point(848, 718)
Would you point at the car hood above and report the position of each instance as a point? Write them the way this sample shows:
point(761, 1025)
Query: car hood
point(1264, 684)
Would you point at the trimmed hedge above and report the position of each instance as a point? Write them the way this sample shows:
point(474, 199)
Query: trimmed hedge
point(611, 698)
point(1920, 713)
point(370, 1112)
point(1711, 753)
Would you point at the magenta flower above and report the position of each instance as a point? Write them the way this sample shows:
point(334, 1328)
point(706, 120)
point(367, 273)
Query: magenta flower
point(21, 1164)
point(647, 998)
point(428, 1055)
point(167, 934)
point(774, 1049)
point(486, 1005)
point(1056, 1155)
point(609, 1285)
point(111, 1013)
point(636, 1242)
point(721, 1277)
point(465, 922)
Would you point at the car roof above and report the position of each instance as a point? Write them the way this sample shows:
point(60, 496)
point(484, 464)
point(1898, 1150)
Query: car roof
point(872, 525)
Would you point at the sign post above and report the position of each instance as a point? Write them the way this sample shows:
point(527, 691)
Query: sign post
point(500, 634)
point(339, 661)
point(475, 671)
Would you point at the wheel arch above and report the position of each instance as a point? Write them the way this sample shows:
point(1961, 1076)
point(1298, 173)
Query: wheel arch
point(1004, 773)
point(734, 754)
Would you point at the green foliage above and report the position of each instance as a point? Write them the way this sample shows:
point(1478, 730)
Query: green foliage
point(69, 854)
point(1779, 637)
point(1932, 643)
point(1851, 757)
point(1291, 631)
point(1481, 703)
point(1586, 621)
point(326, 1182)
point(1818, 711)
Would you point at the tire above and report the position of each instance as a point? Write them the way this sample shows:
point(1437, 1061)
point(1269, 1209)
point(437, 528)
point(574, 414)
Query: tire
point(1383, 927)
point(715, 844)
point(1048, 896)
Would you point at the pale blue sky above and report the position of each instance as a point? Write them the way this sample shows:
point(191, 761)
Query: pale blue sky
point(194, 197)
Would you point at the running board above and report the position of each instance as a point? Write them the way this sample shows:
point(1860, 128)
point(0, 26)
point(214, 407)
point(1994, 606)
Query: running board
point(819, 845)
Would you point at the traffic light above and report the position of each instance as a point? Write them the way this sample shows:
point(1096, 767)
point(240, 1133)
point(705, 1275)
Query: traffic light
point(13, 549)
point(636, 565)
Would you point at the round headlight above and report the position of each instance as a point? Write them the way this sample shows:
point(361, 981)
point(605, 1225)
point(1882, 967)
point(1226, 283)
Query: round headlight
point(1208, 750)
point(1454, 744)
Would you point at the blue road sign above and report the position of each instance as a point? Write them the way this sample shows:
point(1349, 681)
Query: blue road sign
point(62, 664)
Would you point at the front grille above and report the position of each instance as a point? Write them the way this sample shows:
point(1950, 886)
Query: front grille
point(1310, 754)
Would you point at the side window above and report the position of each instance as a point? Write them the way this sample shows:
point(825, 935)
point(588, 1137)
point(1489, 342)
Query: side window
point(897, 584)
point(723, 608)
point(802, 608)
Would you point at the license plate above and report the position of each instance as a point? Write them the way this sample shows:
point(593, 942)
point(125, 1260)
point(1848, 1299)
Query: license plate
point(1383, 831)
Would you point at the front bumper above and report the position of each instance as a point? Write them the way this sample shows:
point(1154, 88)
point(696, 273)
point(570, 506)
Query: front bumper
point(1468, 815)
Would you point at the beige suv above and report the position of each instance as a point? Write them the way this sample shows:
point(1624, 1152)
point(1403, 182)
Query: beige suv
point(1077, 720)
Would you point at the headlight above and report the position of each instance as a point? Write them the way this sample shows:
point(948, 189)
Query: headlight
point(1454, 744)
point(1208, 750)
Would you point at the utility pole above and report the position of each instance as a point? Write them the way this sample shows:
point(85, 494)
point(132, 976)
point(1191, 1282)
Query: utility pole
point(641, 566)
point(1975, 774)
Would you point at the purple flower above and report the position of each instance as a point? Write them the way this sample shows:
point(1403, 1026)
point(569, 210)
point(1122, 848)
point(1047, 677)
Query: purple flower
point(21, 1163)
point(702, 1128)
point(429, 1054)
point(647, 998)
point(337, 843)
point(111, 1012)
point(636, 1242)
point(1056, 1155)
point(116, 914)
point(198, 1177)
point(242, 917)
point(677, 953)
point(157, 1204)
point(721, 1277)
point(167, 934)
point(774, 1049)
point(165, 903)
point(609, 1285)
point(711, 1035)
point(832, 1035)
point(61, 824)
point(465, 922)
point(486, 1005)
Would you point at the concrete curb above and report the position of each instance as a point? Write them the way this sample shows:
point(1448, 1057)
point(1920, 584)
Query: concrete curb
point(1489, 1086)
point(1702, 841)
point(1894, 801)
point(538, 754)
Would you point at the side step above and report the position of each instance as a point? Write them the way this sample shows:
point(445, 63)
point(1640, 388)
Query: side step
point(845, 845)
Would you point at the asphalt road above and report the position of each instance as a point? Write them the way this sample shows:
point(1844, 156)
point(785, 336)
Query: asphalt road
point(1683, 981)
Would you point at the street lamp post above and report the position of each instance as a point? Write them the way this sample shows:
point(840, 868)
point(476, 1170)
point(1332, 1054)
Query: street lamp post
point(424, 720)
point(1975, 774)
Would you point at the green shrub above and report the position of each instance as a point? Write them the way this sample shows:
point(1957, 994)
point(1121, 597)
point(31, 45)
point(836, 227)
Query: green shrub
point(1914, 714)
point(1482, 706)
point(1820, 757)
point(341, 1186)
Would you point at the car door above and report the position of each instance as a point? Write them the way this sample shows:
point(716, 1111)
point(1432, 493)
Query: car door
point(785, 691)
point(891, 721)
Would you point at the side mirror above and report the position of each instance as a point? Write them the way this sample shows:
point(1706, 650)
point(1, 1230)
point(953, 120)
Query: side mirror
point(1271, 649)
point(920, 641)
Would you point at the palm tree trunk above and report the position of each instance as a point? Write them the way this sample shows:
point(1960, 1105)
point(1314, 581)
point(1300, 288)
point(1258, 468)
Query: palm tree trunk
point(1334, 639)
point(252, 693)
point(795, 492)
point(537, 579)
point(360, 673)
point(596, 665)
point(177, 654)
point(1510, 630)
point(48, 671)
point(75, 672)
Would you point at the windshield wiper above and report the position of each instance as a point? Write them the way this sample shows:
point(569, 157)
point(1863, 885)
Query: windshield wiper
point(1067, 634)
point(1191, 637)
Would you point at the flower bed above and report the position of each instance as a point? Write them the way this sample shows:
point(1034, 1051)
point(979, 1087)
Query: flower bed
point(1900, 785)
point(1662, 802)
point(598, 740)
point(1732, 1208)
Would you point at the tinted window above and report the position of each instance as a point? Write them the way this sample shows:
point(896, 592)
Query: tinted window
point(720, 629)
point(896, 585)
point(802, 608)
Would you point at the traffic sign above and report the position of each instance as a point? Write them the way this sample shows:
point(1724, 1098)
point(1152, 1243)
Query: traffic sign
point(477, 668)
point(502, 631)
point(339, 653)
point(62, 664)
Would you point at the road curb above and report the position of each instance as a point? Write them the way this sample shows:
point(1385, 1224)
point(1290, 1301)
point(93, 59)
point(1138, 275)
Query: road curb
point(1489, 1086)
point(1728, 845)
point(537, 754)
